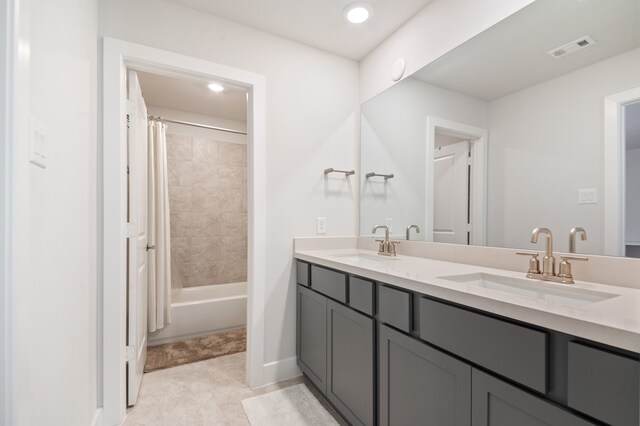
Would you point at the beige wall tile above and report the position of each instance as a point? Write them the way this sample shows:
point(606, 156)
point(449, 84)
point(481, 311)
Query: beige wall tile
point(189, 224)
point(205, 150)
point(205, 175)
point(208, 204)
point(233, 248)
point(232, 177)
point(180, 173)
point(202, 273)
point(233, 154)
point(233, 225)
point(232, 200)
point(179, 147)
point(180, 199)
point(205, 249)
point(181, 249)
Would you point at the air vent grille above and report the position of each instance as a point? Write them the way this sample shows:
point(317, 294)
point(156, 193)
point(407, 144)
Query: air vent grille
point(574, 46)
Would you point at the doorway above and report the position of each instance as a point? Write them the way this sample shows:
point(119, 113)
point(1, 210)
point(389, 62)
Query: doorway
point(452, 183)
point(119, 57)
point(621, 162)
point(456, 182)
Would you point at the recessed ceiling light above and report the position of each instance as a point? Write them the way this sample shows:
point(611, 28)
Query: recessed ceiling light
point(215, 87)
point(357, 13)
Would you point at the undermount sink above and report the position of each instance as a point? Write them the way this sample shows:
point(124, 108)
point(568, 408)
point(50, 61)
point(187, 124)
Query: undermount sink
point(555, 293)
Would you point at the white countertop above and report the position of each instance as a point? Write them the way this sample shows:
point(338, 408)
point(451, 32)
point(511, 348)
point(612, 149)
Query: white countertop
point(615, 321)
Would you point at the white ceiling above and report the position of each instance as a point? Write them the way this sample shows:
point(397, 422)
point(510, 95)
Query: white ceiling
point(193, 96)
point(512, 55)
point(317, 23)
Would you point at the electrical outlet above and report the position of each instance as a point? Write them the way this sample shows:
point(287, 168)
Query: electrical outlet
point(389, 223)
point(321, 225)
point(588, 196)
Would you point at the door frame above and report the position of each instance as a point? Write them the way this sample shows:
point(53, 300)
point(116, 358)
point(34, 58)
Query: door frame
point(614, 170)
point(9, 18)
point(478, 192)
point(119, 55)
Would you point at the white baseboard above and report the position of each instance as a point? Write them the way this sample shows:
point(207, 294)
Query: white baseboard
point(278, 371)
point(97, 418)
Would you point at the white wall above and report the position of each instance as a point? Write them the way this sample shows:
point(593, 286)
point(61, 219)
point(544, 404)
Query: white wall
point(545, 143)
point(55, 299)
point(633, 196)
point(440, 27)
point(312, 124)
point(394, 141)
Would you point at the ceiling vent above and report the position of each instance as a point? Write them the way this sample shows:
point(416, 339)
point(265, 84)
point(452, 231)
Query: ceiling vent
point(573, 47)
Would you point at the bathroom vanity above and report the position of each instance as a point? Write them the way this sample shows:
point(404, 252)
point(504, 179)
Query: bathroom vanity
point(415, 341)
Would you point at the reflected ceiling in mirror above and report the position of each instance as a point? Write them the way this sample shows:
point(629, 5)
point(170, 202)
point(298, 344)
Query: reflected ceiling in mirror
point(535, 85)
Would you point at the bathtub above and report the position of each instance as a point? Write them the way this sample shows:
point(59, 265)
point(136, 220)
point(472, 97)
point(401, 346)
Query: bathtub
point(198, 311)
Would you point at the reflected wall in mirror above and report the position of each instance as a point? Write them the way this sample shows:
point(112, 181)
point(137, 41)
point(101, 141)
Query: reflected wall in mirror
point(507, 133)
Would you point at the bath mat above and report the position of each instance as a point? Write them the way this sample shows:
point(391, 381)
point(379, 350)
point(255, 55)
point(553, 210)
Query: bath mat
point(195, 349)
point(294, 405)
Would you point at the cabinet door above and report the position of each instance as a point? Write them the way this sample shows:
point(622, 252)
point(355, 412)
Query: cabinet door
point(350, 367)
point(420, 385)
point(496, 403)
point(311, 330)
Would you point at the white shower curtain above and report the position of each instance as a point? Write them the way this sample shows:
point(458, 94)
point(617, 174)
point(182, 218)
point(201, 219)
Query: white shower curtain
point(159, 261)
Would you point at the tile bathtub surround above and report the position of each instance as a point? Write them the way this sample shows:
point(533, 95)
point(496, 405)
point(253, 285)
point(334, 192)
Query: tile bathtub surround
point(208, 204)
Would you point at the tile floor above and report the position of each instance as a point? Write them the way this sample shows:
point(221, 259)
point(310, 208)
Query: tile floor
point(203, 393)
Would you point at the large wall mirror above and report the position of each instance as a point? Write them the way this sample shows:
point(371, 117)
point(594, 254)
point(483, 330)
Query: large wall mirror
point(535, 122)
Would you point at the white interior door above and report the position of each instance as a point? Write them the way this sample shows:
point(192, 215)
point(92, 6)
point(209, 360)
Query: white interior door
point(451, 194)
point(137, 242)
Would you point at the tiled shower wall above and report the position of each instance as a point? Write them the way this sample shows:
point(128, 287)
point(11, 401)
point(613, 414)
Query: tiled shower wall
point(208, 205)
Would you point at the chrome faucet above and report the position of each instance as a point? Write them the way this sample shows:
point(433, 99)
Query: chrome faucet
point(572, 237)
point(549, 262)
point(417, 228)
point(386, 248)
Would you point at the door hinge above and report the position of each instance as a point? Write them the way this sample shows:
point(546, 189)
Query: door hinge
point(469, 227)
point(132, 229)
point(130, 352)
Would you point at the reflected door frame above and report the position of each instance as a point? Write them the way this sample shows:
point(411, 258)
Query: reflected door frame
point(615, 170)
point(478, 196)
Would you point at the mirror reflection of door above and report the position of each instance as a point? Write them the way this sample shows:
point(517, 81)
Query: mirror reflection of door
point(632, 184)
point(451, 201)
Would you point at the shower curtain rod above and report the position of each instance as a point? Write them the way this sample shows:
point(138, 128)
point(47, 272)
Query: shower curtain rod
point(203, 126)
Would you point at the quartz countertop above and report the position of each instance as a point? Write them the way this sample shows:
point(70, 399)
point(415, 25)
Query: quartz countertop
point(615, 321)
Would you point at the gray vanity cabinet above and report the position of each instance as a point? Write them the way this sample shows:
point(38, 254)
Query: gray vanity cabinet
point(311, 330)
point(420, 385)
point(350, 364)
point(497, 403)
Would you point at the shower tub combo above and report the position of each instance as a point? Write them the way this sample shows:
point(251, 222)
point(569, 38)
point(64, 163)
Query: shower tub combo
point(199, 311)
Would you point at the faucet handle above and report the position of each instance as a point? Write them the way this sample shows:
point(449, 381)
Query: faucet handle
point(534, 263)
point(565, 268)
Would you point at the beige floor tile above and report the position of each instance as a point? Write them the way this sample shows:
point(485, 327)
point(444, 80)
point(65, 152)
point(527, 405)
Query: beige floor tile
point(206, 393)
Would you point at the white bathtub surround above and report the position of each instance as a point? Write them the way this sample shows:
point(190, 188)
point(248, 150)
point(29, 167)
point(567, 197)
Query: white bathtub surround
point(200, 311)
point(159, 255)
point(615, 321)
point(294, 405)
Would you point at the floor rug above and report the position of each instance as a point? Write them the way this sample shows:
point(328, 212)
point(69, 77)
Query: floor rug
point(294, 405)
point(195, 349)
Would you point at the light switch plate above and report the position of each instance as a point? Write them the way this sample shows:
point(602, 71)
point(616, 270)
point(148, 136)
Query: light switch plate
point(588, 196)
point(321, 225)
point(38, 144)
